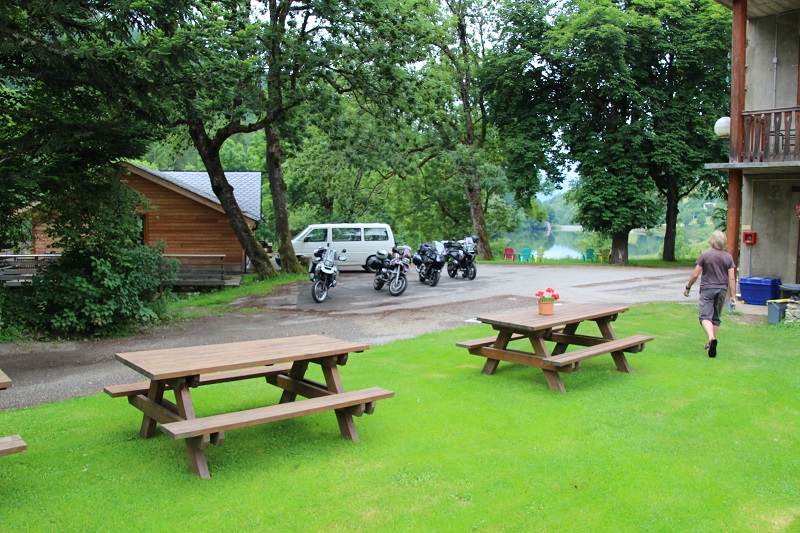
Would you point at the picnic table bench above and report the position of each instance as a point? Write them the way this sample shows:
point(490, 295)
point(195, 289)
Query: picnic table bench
point(14, 443)
point(281, 362)
point(560, 329)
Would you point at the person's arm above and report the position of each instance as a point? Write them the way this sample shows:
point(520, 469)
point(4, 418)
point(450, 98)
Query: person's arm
point(695, 274)
point(732, 284)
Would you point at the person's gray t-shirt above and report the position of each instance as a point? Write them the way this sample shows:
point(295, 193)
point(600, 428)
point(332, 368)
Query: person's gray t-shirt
point(715, 264)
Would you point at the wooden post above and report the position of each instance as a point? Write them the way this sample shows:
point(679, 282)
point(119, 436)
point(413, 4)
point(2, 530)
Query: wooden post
point(738, 64)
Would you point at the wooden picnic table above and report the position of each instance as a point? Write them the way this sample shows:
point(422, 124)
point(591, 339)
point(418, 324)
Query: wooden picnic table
point(14, 443)
point(282, 362)
point(559, 328)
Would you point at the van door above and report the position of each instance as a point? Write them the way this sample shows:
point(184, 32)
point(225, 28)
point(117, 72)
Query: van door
point(312, 240)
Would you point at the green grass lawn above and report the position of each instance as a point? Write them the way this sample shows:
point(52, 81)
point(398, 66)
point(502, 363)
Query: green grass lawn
point(684, 443)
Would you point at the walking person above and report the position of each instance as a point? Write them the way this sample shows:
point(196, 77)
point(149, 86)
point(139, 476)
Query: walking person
point(717, 273)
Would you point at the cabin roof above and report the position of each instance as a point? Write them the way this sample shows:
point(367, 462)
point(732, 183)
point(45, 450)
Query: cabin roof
point(246, 186)
point(764, 8)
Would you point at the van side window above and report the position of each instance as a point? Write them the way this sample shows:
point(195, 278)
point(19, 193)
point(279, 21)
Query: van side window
point(376, 234)
point(346, 234)
point(316, 235)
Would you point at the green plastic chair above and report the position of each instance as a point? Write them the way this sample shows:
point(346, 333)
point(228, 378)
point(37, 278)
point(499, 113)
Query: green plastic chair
point(589, 255)
point(524, 255)
point(540, 255)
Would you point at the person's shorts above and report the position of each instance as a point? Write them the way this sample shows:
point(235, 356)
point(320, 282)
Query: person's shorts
point(711, 303)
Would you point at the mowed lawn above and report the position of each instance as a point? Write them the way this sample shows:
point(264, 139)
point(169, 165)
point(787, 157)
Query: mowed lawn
point(684, 443)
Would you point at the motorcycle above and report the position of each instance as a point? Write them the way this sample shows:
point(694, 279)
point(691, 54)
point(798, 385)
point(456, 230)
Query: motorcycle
point(323, 272)
point(429, 260)
point(391, 270)
point(461, 257)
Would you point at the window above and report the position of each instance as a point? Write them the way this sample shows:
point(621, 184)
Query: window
point(376, 234)
point(316, 235)
point(346, 234)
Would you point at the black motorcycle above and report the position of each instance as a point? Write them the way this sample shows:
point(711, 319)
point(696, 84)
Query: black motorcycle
point(461, 257)
point(323, 272)
point(429, 260)
point(391, 270)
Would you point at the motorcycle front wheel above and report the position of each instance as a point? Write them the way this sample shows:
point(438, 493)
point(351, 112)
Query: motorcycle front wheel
point(452, 270)
point(472, 271)
point(398, 285)
point(320, 290)
point(377, 283)
point(434, 279)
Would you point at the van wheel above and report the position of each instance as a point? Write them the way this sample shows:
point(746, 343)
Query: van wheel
point(366, 266)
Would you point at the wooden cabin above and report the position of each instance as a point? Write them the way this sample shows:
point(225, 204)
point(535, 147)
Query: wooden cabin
point(187, 216)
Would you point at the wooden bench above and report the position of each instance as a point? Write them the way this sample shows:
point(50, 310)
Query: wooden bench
point(632, 344)
point(133, 389)
point(488, 341)
point(12, 444)
point(215, 424)
point(5, 382)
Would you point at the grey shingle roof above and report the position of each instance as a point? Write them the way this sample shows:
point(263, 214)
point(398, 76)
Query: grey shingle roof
point(246, 186)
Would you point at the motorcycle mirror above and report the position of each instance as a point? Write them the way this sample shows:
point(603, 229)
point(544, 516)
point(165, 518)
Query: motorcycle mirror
point(343, 250)
point(342, 258)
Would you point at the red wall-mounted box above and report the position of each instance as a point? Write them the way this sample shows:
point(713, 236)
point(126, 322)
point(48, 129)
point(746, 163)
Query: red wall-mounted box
point(749, 237)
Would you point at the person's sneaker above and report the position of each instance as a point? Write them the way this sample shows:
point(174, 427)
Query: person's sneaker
point(712, 348)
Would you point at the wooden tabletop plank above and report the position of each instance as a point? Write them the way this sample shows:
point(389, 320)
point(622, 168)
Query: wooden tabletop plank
point(5, 382)
point(529, 320)
point(195, 360)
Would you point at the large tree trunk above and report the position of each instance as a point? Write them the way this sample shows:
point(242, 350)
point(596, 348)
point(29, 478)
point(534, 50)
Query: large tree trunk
point(619, 248)
point(277, 187)
point(209, 153)
point(672, 224)
point(473, 189)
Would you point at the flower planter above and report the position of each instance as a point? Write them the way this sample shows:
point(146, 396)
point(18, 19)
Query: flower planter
point(546, 308)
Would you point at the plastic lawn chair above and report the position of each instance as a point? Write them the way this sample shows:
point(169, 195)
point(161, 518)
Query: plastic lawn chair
point(525, 255)
point(589, 255)
point(509, 254)
point(540, 255)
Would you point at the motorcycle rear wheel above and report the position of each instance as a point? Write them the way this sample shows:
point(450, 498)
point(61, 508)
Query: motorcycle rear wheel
point(398, 285)
point(377, 283)
point(472, 271)
point(319, 291)
point(452, 270)
point(434, 279)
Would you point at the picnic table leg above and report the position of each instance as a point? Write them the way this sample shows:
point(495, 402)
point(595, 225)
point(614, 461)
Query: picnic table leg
point(502, 341)
point(194, 447)
point(334, 382)
point(561, 347)
point(155, 394)
point(621, 361)
point(297, 372)
point(554, 380)
point(606, 329)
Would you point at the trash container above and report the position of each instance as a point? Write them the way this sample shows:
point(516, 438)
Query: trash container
point(756, 291)
point(776, 309)
point(789, 289)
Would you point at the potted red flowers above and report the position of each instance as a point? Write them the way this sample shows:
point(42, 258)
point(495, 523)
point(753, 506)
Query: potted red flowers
point(547, 299)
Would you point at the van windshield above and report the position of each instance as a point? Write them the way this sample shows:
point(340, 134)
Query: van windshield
point(316, 235)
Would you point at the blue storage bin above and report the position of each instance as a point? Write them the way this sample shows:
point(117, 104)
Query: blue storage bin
point(756, 291)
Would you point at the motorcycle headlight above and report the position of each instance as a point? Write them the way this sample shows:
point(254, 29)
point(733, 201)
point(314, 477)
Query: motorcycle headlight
point(329, 264)
point(405, 260)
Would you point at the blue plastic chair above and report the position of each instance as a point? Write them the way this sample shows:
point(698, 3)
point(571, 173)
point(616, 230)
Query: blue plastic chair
point(589, 255)
point(524, 255)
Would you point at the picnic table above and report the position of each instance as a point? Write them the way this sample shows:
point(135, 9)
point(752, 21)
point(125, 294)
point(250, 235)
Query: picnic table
point(559, 328)
point(282, 362)
point(14, 443)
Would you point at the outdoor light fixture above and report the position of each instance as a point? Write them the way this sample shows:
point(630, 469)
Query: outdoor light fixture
point(722, 127)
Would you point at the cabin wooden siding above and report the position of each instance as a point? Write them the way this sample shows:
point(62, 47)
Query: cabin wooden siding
point(187, 226)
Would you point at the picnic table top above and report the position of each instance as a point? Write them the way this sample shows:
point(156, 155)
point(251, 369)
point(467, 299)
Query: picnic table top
point(195, 360)
point(5, 382)
point(567, 313)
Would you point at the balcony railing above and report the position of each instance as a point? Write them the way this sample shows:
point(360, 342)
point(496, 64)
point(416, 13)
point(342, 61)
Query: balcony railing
point(771, 136)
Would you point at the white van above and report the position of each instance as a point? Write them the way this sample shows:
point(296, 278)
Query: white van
point(358, 242)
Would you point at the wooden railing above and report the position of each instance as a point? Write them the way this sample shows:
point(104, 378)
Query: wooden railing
point(16, 269)
point(771, 135)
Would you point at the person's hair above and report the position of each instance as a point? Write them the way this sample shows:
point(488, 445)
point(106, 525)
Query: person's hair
point(718, 240)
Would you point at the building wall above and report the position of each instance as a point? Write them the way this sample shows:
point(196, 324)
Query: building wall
point(768, 209)
point(187, 227)
point(771, 85)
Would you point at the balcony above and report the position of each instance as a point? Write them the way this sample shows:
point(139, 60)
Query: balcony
point(771, 136)
point(769, 144)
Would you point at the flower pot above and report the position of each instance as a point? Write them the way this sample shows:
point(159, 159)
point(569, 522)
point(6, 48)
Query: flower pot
point(546, 308)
